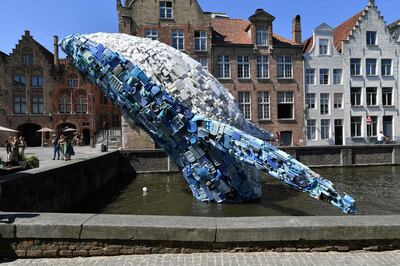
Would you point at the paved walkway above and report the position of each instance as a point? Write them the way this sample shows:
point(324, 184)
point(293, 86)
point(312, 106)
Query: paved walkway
point(45, 155)
point(240, 259)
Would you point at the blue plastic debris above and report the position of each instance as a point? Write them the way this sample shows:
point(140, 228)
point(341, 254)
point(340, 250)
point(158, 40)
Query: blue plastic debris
point(214, 157)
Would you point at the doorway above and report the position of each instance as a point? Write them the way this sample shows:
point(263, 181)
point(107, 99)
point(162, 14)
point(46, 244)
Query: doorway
point(86, 136)
point(338, 132)
point(388, 126)
point(286, 138)
point(30, 134)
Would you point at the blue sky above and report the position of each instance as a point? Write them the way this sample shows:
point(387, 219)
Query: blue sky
point(45, 18)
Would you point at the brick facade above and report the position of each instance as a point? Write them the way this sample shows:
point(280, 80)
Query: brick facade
point(39, 90)
point(232, 37)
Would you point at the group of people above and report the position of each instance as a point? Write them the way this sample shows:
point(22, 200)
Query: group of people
point(62, 146)
point(15, 148)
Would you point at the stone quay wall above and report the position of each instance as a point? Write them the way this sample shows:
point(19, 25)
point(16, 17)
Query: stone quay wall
point(314, 156)
point(59, 189)
point(72, 235)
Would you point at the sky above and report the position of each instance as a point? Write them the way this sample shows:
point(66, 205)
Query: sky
point(45, 18)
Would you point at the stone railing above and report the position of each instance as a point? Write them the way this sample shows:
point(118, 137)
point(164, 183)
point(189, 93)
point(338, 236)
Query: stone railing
point(67, 235)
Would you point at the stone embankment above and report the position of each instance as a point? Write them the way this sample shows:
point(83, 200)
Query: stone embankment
point(71, 235)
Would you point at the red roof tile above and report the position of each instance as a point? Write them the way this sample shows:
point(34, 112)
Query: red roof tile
point(340, 33)
point(235, 32)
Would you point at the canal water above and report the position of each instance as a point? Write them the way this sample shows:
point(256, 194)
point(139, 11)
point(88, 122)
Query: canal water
point(376, 190)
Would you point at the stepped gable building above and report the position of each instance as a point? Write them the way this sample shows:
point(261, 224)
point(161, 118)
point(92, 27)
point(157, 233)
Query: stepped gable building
point(351, 77)
point(263, 70)
point(40, 90)
point(3, 58)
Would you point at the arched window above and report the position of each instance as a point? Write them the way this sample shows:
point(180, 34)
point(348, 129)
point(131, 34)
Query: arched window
point(64, 103)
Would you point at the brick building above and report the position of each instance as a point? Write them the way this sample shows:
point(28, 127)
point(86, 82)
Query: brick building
point(263, 70)
point(40, 90)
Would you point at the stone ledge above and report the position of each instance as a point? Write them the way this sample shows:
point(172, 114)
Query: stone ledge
point(198, 229)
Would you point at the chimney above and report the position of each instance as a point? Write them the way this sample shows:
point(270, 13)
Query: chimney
point(56, 58)
point(296, 29)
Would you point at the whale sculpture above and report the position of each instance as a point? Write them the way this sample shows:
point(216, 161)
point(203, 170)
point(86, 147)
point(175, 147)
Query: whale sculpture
point(193, 118)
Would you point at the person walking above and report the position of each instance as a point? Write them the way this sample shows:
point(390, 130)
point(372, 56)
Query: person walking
point(277, 138)
point(22, 145)
point(14, 150)
point(8, 150)
point(380, 138)
point(56, 147)
point(62, 147)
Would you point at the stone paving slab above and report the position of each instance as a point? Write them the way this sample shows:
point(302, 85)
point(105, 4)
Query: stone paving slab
point(390, 258)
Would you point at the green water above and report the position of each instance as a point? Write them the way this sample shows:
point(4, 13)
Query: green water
point(376, 190)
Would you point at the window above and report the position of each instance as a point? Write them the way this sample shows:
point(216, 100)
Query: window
point(64, 104)
point(324, 103)
point(27, 59)
point(204, 62)
point(20, 105)
point(200, 41)
point(310, 76)
point(337, 76)
point(324, 76)
point(371, 37)
point(103, 118)
point(37, 81)
point(151, 34)
point(262, 66)
point(263, 105)
point(372, 128)
point(338, 100)
point(371, 97)
point(72, 83)
point(386, 67)
point(284, 67)
point(310, 100)
point(103, 98)
point(370, 67)
point(355, 66)
point(116, 120)
point(311, 129)
point(356, 126)
point(387, 96)
point(85, 124)
point(323, 46)
point(285, 105)
point(261, 39)
point(245, 104)
point(224, 69)
point(325, 128)
point(355, 94)
point(178, 39)
point(19, 80)
point(37, 105)
point(81, 104)
point(243, 67)
point(166, 11)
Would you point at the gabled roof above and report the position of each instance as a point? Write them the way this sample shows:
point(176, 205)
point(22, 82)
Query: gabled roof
point(235, 32)
point(340, 33)
point(3, 55)
point(46, 53)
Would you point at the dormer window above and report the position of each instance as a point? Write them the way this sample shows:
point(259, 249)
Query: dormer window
point(166, 11)
point(323, 46)
point(261, 38)
point(371, 37)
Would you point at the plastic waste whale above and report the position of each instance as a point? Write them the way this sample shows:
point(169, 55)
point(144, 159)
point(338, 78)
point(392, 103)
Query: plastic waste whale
point(193, 118)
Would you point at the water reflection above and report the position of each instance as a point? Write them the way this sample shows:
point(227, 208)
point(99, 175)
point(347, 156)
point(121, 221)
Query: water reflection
point(374, 188)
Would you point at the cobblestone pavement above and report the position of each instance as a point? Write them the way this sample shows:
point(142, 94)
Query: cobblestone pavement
point(240, 259)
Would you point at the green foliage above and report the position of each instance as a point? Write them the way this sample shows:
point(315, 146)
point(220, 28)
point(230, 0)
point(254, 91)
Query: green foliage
point(31, 161)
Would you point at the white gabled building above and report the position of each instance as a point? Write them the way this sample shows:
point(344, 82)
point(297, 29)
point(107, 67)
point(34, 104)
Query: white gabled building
point(369, 59)
point(323, 89)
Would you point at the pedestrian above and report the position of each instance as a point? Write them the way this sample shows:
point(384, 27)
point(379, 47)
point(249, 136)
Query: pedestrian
point(9, 151)
point(14, 150)
point(56, 147)
point(22, 145)
point(61, 144)
point(277, 138)
point(380, 138)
